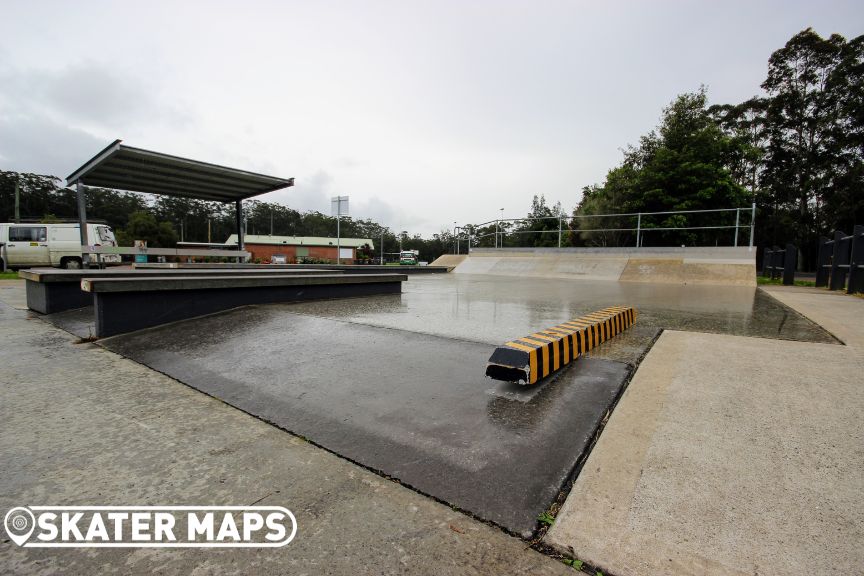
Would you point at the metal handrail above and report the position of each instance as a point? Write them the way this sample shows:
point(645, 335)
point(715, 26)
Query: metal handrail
point(639, 228)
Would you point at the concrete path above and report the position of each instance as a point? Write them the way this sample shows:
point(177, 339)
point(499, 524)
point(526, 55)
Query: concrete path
point(731, 455)
point(80, 425)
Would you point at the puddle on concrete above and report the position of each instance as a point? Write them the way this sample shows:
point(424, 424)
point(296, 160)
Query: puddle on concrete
point(492, 310)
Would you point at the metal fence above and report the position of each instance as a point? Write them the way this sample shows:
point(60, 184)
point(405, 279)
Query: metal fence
point(571, 223)
point(840, 258)
point(777, 261)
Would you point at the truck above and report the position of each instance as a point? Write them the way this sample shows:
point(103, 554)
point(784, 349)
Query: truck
point(26, 245)
point(409, 257)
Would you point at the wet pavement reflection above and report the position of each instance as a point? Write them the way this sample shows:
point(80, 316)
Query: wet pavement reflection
point(396, 383)
point(492, 310)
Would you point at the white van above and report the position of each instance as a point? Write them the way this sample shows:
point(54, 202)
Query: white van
point(28, 245)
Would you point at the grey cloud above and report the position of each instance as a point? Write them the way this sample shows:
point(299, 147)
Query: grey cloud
point(308, 193)
point(44, 146)
point(88, 93)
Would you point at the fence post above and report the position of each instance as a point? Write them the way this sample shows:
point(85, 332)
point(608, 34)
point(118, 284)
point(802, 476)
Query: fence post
point(822, 266)
point(838, 274)
point(737, 219)
point(559, 231)
point(766, 262)
point(790, 261)
point(856, 261)
point(752, 224)
point(638, 228)
point(775, 262)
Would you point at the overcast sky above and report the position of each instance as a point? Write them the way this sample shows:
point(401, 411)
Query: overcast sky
point(422, 112)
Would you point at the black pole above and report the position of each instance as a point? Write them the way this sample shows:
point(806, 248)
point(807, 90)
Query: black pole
point(81, 194)
point(790, 263)
point(239, 212)
point(856, 261)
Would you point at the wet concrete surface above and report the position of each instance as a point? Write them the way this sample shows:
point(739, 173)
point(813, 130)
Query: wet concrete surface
point(492, 310)
point(415, 407)
point(81, 426)
point(396, 382)
point(78, 321)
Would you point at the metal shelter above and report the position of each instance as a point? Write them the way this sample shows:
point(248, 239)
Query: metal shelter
point(135, 170)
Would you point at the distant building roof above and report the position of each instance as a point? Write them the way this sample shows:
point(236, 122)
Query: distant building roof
point(300, 240)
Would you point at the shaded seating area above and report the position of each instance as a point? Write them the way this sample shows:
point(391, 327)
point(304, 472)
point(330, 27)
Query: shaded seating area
point(124, 300)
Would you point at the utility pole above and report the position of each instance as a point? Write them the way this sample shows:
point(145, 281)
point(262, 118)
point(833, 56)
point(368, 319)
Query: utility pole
point(209, 240)
point(17, 202)
point(271, 221)
point(382, 246)
point(336, 203)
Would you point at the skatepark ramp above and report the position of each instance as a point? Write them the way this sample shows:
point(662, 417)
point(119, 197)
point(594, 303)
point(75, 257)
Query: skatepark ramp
point(735, 266)
point(449, 260)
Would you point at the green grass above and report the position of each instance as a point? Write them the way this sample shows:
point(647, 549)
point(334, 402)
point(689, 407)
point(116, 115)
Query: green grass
point(546, 518)
point(779, 282)
point(9, 275)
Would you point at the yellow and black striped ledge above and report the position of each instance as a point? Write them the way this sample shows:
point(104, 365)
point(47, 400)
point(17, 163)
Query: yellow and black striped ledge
point(535, 357)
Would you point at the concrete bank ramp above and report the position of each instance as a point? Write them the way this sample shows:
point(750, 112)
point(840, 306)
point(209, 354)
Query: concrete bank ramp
point(722, 265)
point(449, 260)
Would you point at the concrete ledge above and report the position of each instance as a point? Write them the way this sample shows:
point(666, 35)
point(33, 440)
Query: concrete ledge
point(51, 290)
point(126, 304)
point(59, 275)
point(183, 282)
point(351, 268)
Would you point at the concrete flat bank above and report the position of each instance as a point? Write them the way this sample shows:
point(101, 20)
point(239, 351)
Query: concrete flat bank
point(731, 455)
point(734, 266)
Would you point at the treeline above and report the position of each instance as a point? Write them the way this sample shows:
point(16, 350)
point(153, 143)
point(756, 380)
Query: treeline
point(164, 220)
point(797, 152)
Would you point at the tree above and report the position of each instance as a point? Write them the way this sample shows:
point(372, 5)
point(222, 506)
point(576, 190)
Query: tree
point(812, 173)
point(685, 164)
point(541, 226)
point(144, 226)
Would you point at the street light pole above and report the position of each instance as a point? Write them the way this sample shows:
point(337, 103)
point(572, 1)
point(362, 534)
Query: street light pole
point(382, 246)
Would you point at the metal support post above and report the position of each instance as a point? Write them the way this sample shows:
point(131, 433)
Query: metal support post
point(238, 206)
point(638, 229)
point(752, 224)
point(737, 219)
point(82, 220)
point(841, 257)
point(856, 261)
point(790, 262)
point(822, 266)
point(559, 231)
